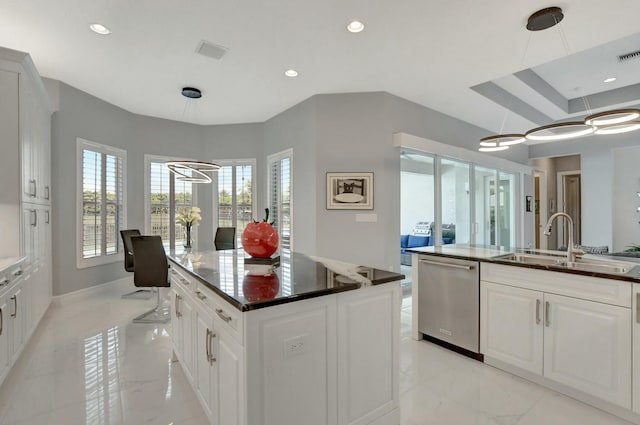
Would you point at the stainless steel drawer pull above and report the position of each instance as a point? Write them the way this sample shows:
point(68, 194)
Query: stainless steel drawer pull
point(34, 218)
point(32, 188)
point(4, 281)
point(538, 312)
point(201, 295)
point(177, 306)
point(46, 191)
point(223, 316)
point(207, 345)
point(15, 306)
point(46, 215)
point(1, 321)
point(453, 266)
point(17, 272)
point(637, 307)
point(547, 308)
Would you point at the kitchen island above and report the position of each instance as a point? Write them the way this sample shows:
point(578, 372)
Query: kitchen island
point(311, 341)
point(570, 324)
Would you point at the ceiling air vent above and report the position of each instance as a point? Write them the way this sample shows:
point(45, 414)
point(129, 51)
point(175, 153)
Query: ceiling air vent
point(211, 50)
point(627, 56)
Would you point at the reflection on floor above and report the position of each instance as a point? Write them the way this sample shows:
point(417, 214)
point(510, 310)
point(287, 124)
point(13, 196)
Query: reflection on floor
point(88, 364)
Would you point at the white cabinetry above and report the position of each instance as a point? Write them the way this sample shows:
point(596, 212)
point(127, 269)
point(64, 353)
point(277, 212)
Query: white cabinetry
point(510, 325)
point(4, 336)
point(25, 180)
point(587, 347)
point(12, 318)
point(35, 141)
point(568, 331)
point(330, 360)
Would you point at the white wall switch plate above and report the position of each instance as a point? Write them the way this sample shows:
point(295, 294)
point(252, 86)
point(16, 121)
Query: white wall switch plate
point(367, 218)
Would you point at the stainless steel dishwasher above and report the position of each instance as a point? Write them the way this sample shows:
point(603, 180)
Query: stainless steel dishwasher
point(449, 301)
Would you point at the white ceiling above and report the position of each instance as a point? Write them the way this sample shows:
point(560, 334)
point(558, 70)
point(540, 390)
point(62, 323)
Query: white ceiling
point(427, 51)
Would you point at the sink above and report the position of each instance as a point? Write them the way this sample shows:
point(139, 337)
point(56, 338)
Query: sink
point(584, 264)
point(545, 260)
point(601, 266)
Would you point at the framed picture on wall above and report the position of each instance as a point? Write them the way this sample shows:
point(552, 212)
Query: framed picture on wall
point(349, 191)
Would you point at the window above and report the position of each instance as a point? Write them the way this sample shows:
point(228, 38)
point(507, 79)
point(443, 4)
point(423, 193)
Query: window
point(236, 195)
point(101, 203)
point(166, 196)
point(280, 195)
point(280, 169)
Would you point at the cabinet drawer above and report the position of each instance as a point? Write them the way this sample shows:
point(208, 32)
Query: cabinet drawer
point(225, 315)
point(183, 280)
point(597, 289)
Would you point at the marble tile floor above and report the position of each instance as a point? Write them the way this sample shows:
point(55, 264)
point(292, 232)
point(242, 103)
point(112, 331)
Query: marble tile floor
point(88, 364)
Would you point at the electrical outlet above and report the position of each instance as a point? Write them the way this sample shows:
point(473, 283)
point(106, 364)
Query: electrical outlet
point(294, 346)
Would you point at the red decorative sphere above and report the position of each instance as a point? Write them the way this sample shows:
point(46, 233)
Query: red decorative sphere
point(260, 240)
point(260, 287)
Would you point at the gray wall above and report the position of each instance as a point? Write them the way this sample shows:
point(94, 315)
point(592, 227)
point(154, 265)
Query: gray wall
point(296, 128)
point(82, 115)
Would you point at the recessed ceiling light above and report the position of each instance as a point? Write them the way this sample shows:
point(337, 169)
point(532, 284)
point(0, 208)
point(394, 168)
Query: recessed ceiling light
point(355, 26)
point(609, 80)
point(291, 73)
point(99, 29)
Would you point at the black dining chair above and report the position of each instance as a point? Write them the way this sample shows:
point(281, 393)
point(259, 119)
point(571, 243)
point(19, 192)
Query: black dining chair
point(151, 270)
point(225, 238)
point(140, 294)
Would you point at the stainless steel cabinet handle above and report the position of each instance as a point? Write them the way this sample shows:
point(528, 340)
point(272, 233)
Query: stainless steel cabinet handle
point(184, 281)
point(34, 218)
point(32, 188)
point(15, 306)
point(17, 272)
point(177, 306)
point(212, 358)
point(538, 312)
point(4, 281)
point(220, 313)
point(206, 343)
point(201, 295)
point(46, 191)
point(547, 308)
point(46, 216)
point(637, 307)
point(1, 321)
point(453, 266)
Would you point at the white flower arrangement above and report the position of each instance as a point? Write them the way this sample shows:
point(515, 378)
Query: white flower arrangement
point(188, 217)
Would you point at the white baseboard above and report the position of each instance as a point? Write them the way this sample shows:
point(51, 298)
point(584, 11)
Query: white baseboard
point(115, 287)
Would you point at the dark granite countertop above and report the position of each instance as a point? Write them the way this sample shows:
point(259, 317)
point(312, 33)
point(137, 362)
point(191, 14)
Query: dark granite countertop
point(493, 254)
point(298, 277)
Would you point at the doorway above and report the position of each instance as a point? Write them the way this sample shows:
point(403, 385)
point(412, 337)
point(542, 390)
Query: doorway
point(570, 200)
point(540, 207)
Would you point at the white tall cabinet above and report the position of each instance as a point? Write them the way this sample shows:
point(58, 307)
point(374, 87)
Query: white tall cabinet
point(25, 203)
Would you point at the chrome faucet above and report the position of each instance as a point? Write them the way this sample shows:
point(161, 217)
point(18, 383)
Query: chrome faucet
point(572, 253)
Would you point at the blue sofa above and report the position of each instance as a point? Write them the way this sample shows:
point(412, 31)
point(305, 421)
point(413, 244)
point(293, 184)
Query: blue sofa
point(415, 241)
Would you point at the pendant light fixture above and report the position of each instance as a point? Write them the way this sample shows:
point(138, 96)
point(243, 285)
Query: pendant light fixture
point(604, 123)
point(188, 170)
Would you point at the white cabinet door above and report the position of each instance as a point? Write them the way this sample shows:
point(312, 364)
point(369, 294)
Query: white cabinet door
point(230, 364)
point(205, 371)
point(17, 315)
point(175, 295)
point(587, 347)
point(511, 327)
point(636, 347)
point(186, 323)
point(5, 345)
point(368, 363)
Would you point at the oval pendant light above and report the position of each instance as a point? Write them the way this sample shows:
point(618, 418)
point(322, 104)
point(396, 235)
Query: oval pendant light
point(616, 116)
point(624, 127)
point(560, 131)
